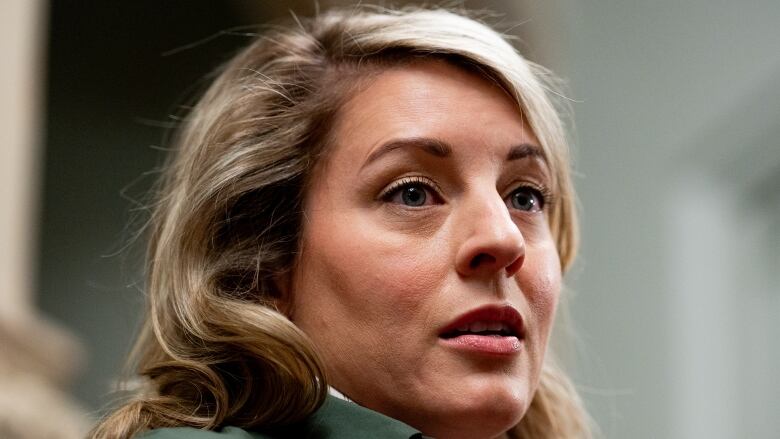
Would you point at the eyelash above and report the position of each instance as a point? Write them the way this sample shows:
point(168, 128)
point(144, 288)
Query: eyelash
point(542, 192)
point(406, 182)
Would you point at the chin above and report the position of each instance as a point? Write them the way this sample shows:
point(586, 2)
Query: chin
point(486, 413)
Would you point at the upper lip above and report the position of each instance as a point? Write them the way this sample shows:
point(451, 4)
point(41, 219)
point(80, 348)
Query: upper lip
point(504, 314)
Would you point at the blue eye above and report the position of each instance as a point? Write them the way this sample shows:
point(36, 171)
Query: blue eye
point(413, 196)
point(411, 191)
point(526, 199)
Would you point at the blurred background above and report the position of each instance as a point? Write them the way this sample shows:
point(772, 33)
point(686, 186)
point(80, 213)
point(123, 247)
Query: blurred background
point(675, 298)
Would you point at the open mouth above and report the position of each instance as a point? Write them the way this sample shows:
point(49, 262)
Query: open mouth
point(482, 328)
point(494, 330)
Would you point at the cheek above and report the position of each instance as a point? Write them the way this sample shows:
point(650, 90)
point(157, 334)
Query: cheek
point(540, 281)
point(370, 277)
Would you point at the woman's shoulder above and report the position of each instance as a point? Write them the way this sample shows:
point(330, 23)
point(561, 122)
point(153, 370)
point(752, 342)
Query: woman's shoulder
point(194, 433)
point(336, 419)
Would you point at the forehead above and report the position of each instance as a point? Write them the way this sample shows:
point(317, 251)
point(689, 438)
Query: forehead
point(432, 99)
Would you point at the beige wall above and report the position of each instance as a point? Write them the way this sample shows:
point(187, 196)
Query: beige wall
point(37, 357)
point(20, 97)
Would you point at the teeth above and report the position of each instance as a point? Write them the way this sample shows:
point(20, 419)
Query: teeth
point(478, 327)
point(491, 326)
point(495, 326)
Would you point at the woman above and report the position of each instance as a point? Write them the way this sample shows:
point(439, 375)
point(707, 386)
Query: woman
point(361, 233)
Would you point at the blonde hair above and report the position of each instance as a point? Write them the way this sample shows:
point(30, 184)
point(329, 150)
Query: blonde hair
point(214, 351)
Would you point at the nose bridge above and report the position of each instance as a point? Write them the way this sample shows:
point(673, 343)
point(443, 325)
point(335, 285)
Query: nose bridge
point(491, 218)
point(491, 241)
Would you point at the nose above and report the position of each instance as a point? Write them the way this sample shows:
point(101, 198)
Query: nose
point(492, 242)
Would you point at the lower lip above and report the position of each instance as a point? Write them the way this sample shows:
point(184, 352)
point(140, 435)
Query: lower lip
point(485, 344)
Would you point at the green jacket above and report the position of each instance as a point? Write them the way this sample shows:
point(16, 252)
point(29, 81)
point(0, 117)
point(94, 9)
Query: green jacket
point(336, 419)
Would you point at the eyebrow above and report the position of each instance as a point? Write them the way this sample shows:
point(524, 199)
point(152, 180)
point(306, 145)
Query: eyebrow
point(524, 150)
point(442, 149)
point(434, 147)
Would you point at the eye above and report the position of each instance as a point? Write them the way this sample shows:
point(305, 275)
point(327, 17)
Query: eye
point(413, 196)
point(527, 199)
point(410, 191)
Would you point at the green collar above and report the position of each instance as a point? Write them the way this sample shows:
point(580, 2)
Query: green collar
point(339, 419)
point(336, 419)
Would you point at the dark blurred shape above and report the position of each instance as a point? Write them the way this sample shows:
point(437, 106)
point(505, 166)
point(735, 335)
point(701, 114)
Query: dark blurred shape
point(114, 81)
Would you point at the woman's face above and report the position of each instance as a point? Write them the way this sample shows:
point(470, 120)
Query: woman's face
point(428, 277)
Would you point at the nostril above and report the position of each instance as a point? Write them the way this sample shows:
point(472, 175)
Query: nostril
point(482, 258)
point(515, 266)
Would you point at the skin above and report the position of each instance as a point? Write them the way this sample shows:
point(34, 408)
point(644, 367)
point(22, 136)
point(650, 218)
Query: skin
point(377, 279)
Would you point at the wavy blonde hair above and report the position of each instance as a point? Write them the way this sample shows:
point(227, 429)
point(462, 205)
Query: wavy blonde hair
point(214, 350)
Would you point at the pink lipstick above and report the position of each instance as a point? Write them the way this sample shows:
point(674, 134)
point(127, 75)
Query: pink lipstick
point(491, 330)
